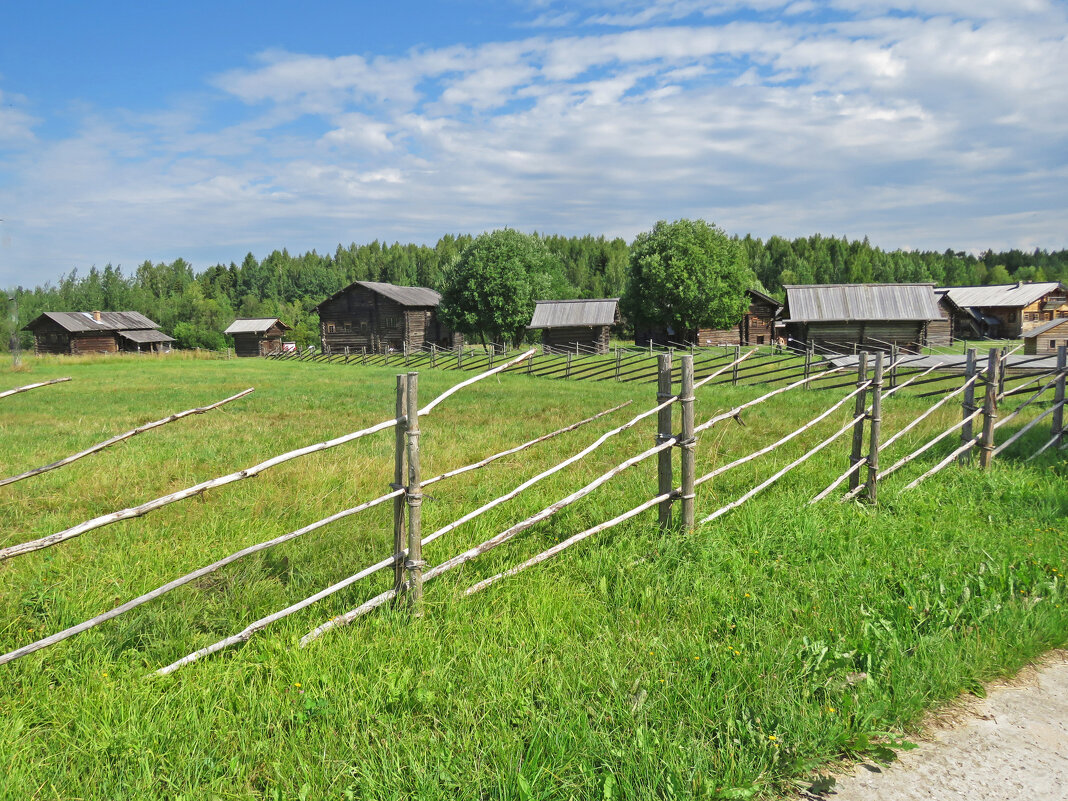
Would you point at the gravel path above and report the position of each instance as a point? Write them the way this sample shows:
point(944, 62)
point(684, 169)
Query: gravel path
point(1011, 745)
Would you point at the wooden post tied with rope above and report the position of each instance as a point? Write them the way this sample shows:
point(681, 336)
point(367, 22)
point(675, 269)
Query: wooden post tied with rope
point(990, 408)
point(1057, 428)
point(414, 496)
point(968, 407)
point(399, 475)
point(663, 433)
point(688, 443)
point(856, 455)
point(876, 417)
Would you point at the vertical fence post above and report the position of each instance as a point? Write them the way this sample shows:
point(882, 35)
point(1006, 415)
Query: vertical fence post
point(1002, 364)
point(808, 363)
point(619, 356)
point(663, 428)
point(567, 374)
point(363, 355)
point(968, 406)
point(433, 355)
point(855, 455)
point(399, 464)
point(414, 496)
point(734, 370)
point(876, 421)
point(16, 343)
point(688, 444)
point(346, 354)
point(894, 352)
point(460, 357)
point(990, 408)
point(1058, 396)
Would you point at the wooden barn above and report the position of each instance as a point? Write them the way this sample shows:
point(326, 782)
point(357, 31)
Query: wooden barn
point(382, 318)
point(257, 336)
point(1046, 338)
point(1006, 311)
point(575, 325)
point(73, 333)
point(837, 317)
point(757, 327)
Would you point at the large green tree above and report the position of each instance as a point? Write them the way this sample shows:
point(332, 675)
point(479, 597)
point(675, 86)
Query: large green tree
point(489, 291)
point(686, 274)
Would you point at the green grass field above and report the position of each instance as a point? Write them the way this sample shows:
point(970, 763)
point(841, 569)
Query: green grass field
point(723, 664)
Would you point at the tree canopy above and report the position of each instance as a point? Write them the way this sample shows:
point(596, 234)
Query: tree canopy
point(684, 275)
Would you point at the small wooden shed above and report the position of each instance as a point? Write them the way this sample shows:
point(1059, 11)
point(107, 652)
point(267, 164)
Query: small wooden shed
point(575, 325)
point(257, 336)
point(74, 333)
point(1005, 310)
point(840, 317)
point(1047, 337)
point(757, 327)
point(382, 318)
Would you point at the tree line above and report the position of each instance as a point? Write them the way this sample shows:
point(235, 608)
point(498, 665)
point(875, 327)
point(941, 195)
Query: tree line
point(195, 307)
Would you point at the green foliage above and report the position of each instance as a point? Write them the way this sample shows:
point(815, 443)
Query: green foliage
point(686, 274)
point(489, 292)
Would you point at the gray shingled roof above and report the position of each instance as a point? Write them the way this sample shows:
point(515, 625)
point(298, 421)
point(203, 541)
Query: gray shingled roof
point(849, 302)
point(1016, 295)
point(1046, 326)
point(145, 336)
point(567, 313)
point(404, 295)
point(81, 322)
point(253, 325)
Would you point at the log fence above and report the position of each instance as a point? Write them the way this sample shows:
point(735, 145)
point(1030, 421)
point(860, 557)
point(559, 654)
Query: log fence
point(9, 392)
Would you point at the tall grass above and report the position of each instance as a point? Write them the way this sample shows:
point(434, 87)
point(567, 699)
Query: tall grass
point(639, 664)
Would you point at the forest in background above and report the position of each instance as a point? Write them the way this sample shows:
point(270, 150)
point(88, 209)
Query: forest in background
point(195, 307)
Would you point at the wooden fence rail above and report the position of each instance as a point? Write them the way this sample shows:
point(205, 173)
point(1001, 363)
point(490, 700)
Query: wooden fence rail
point(28, 387)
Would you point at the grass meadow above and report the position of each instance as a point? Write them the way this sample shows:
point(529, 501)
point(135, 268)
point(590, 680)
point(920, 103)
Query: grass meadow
point(727, 663)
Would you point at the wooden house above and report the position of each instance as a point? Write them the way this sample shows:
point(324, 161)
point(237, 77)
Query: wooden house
point(382, 318)
point(757, 327)
point(1006, 311)
point(575, 325)
point(73, 333)
point(1046, 338)
point(257, 336)
point(838, 317)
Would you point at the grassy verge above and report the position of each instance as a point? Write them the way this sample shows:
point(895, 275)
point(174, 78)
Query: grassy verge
point(637, 665)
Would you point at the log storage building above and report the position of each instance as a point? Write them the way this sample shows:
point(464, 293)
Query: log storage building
point(257, 336)
point(382, 318)
point(836, 317)
point(1046, 338)
point(1004, 310)
point(575, 325)
point(757, 327)
point(74, 333)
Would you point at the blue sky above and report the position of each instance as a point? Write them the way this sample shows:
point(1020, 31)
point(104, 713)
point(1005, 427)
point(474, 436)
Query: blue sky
point(207, 130)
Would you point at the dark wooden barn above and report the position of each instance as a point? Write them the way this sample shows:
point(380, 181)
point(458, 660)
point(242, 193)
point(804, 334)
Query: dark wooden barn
point(1005, 311)
point(1046, 338)
point(757, 327)
point(382, 318)
point(575, 325)
point(841, 317)
point(73, 333)
point(257, 336)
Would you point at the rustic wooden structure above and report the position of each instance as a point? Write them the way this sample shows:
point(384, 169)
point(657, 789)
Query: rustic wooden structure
point(372, 317)
point(257, 336)
point(843, 317)
point(1006, 311)
point(1046, 338)
point(756, 327)
point(580, 325)
point(74, 333)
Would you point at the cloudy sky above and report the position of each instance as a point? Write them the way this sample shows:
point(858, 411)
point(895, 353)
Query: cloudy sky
point(132, 131)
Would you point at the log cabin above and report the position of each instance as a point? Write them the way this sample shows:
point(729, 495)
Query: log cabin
point(382, 318)
point(1006, 311)
point(74, 333)
point(1046, 338)
point(575, 325)
point(841, 317)
point(756, 327)
point(257, 336)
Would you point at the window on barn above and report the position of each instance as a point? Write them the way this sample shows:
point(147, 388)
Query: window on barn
point(391, 322)
point(329, 328)
point(348, 325)
point(363, 325)
point(1052, 344)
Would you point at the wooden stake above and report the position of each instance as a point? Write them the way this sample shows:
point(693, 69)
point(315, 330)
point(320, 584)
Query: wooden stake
point(734, 371)
point(1002, 363)
point(990, 408)
point(399, 475)
point(968, 406)
point(855, 455)
point(876, 421)
point(663, 429)
point(688, 442)
point(808, 362)
point(619, 357)
point(893, 365)
point(1057, 429)
point(414, 496)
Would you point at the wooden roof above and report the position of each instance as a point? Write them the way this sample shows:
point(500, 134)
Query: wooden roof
point(811, 303)
point(1018, 295)
point(254, 325)
point(1047, 326)
point(82, 322)
point(569, 313)
point(415, 296)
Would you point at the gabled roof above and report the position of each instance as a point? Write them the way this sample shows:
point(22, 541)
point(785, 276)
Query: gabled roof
point(404, 295)
point(567, 313)
point(142, 337)
point(1015, 295)
point(1046, 326)
point(856, 302)
point(254, 325)
point(81, 322)
point(755, 294)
